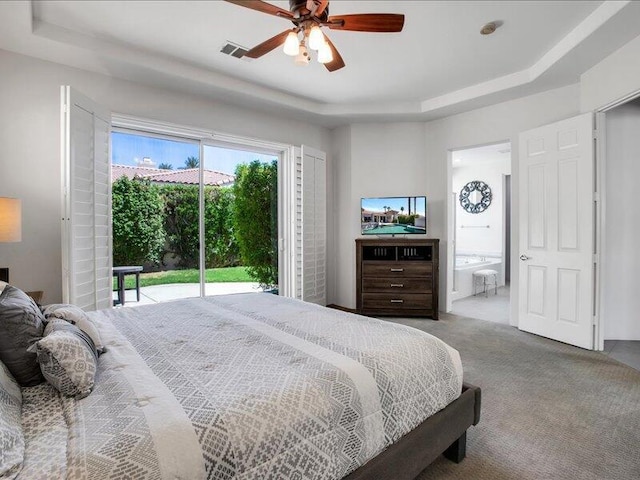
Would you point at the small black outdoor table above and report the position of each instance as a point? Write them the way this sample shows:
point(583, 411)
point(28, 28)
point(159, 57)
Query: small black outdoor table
point(120, 273)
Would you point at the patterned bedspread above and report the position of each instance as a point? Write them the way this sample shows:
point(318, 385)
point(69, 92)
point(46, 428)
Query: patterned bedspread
point(249, 386)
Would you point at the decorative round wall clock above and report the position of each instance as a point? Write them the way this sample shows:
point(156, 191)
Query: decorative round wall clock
point(475, 197)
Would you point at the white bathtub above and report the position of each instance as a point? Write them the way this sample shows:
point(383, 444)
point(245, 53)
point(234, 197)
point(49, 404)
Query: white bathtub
point(465, 265)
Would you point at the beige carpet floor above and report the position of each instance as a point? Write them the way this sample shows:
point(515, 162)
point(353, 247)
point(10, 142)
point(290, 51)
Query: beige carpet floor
point(549, 410)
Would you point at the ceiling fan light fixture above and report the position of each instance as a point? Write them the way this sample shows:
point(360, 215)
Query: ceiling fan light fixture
point(291, 44)
point(316, 38)
point(325, 55)
point(303, 57)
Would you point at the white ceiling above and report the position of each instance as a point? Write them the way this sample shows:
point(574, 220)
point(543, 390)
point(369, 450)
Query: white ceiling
point(486, 154)
point(438, 65)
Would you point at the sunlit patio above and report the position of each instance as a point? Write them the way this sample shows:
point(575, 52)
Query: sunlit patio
point(162, 293)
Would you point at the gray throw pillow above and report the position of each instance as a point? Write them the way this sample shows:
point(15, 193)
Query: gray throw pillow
point(11, 436)
point(21, 324)
point(68, 358)
point(76, 316)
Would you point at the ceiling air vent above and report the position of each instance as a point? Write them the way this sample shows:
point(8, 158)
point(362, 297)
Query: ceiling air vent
point(234, 50)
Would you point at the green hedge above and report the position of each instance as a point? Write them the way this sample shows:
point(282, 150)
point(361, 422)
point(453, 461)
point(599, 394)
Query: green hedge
point(256, 219)
point(138, 216)
point(181, 225)
point(150, 221)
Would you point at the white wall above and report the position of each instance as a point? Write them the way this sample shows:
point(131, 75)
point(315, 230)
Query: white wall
point(372, 160)
point(30, 148)
point(615, 77)
point(481, 241)
point(621, 302)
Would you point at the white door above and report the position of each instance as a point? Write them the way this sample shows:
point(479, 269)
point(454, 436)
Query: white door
point(557, 231)
point(86, 209)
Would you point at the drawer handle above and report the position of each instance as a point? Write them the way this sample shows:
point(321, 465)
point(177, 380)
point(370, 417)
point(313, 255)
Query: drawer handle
point(399, 285)
point(397, 301)
point(397, 269)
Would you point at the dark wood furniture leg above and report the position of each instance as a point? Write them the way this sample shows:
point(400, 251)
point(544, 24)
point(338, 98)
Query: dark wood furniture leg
point(458, 449)
point(121, 288)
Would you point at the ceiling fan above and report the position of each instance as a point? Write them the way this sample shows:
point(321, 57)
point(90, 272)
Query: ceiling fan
point(308, 16)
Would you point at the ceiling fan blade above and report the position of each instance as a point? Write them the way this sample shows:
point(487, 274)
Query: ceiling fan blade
point(337, 63)
point(367, 22)
point(263, 7)
point(316, 7)
point(323, 4)
point(267, 46)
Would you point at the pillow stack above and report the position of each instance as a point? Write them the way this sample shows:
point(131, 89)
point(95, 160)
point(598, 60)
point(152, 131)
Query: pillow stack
point(65, 352)
point(11, 435)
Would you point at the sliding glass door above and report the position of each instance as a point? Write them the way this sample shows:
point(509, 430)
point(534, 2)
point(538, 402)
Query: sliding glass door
point(240, 220)
point(155, 188)
point(193, 227)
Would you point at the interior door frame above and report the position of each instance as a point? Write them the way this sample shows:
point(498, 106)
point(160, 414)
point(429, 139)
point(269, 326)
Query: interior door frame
point(600, 199)
point(451, 219)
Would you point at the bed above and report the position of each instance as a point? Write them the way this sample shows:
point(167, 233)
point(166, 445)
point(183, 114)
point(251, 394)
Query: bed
point(252, 386)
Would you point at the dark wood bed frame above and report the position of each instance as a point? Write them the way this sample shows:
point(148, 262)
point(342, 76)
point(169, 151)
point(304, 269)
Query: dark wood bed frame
point(442, 433)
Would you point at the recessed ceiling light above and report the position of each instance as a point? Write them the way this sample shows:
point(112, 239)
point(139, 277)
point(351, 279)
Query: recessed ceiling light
point(489, 28)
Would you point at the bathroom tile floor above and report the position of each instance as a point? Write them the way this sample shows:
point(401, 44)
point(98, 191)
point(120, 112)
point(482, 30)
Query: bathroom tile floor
point(494, 308)
point(624, 351)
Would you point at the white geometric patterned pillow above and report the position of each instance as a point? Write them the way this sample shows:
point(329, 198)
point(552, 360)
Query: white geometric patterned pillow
point(76, 316)
point(11, 436)
point(68, 358)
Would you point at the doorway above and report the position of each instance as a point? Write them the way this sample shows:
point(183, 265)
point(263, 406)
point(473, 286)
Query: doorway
point(481, 205)
point(619, 230)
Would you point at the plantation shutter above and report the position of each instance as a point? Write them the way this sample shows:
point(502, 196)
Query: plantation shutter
point(86, 210)
point(313, 249)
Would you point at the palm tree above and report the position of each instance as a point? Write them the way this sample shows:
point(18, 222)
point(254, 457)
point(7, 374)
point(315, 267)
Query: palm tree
point(190, 162)
point(165, 166)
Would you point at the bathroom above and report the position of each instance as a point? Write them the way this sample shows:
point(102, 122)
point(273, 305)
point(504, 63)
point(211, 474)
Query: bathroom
point(481, 200)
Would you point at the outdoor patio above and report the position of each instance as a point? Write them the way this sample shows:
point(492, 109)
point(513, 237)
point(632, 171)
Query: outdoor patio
point(174, 291)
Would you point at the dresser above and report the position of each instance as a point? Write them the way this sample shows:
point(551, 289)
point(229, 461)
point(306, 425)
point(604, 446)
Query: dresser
point(397, 277)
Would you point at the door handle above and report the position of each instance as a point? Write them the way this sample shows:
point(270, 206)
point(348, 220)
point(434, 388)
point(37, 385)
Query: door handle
point(397, 301)
point(524, 258)
point(398, 285)
point(397, 269)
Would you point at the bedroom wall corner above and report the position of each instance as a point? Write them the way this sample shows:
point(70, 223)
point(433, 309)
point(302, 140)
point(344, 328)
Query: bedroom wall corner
point(341, 262)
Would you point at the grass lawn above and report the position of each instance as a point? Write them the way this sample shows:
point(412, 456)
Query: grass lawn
point(231, 274)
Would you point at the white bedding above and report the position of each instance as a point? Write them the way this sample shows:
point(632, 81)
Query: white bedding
point(249, 386)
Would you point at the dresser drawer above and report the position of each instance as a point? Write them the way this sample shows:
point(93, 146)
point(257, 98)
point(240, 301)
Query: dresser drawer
point(400, 301)
point(396, 269)
point(397, 285)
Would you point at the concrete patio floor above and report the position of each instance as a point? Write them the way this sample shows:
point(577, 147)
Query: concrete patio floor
point(175, 291)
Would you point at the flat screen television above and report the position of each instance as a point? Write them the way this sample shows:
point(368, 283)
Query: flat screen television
point(393, 216)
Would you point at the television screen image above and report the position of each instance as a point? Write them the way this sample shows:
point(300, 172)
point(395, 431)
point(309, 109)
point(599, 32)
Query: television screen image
point(393, 216)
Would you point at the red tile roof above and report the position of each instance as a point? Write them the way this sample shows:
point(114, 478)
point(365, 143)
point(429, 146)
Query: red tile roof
point(189, 176)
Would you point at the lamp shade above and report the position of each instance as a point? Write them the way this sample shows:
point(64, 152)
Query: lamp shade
point(316, 38)
point(10, 220)
point(291, 44)
point(325, 55)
